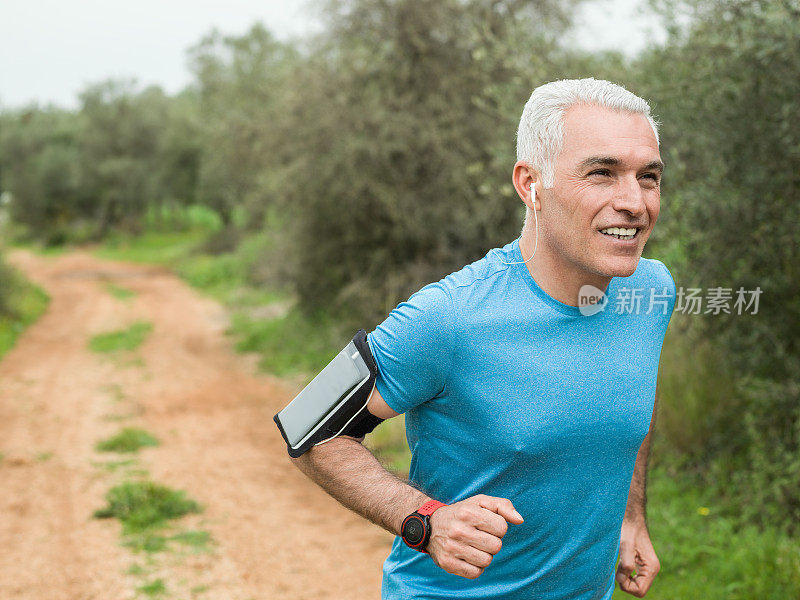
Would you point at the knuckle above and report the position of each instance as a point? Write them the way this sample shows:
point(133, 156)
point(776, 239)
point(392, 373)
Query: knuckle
point(496, 546)
point(471, 515)
point(472, 572)
point(503, 527)
point(448, 564)
point(458, 532)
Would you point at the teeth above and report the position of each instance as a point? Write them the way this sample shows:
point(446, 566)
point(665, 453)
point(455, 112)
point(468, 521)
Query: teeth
point(621, 233)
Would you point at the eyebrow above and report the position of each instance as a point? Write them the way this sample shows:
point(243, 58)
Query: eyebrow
point(610, 161)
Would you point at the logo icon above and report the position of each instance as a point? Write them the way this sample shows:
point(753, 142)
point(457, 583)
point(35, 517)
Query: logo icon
point(591, 300)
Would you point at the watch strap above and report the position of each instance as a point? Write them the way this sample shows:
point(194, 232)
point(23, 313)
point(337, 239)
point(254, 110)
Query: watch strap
point(430, 507)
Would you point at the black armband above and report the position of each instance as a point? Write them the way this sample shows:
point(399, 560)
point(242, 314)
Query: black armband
point(334, 403)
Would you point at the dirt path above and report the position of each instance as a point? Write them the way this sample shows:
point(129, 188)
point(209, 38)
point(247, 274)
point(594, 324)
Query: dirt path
point(277, 535)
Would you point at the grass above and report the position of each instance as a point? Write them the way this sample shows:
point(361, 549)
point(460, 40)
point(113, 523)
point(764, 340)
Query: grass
point(288, 345)
point(120, 293)
point(114, 465)
point(153, 588)
point(147, 541)
point(123, 339)
point(152, 540)
point(162, 248)
point(24, 304)
point(129, 439)
point(704, 555)
point(144, 505)
point(196, 539)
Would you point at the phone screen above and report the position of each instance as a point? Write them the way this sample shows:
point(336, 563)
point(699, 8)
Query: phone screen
point(310, 407)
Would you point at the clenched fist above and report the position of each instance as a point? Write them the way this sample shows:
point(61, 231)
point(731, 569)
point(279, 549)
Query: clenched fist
point(466, 535)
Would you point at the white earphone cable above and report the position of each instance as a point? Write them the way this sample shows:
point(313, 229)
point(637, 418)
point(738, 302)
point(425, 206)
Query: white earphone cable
point(536, 243)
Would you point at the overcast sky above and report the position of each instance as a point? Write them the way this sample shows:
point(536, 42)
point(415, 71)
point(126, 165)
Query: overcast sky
point(51, 49)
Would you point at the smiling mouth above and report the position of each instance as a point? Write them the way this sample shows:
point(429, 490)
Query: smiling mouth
point(621, 233)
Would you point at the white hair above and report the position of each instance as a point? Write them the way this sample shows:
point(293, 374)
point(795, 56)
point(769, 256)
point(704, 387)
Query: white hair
point(540, 135)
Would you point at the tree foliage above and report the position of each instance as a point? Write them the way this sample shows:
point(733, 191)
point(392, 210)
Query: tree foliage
point(242, 86)
point(406, 141)
point(728, 92)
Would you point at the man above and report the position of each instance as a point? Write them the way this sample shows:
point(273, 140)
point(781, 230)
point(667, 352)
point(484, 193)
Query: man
point(528, 416)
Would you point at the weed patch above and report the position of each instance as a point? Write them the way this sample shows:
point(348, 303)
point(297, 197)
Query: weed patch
point(113, 465)
point(140, 505)
point(21, 303)
point(195, 539)
point(128, 440)
point(124, 339)
point(120, 293)
point(154, 588)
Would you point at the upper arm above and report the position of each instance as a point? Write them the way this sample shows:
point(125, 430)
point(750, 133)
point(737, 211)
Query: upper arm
point(378, 407)
point(413, 350)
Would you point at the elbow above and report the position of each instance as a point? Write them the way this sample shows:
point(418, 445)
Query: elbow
point(324, 452)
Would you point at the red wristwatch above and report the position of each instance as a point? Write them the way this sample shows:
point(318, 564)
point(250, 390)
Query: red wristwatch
point(416, 528)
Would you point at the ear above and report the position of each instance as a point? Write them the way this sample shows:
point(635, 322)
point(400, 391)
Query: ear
point(524, 175)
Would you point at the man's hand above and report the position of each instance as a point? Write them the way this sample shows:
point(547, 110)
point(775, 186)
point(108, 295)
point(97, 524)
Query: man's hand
point(466, 535)
point(636, 553)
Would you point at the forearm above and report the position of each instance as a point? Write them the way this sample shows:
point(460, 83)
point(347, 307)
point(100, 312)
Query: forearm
point(637, 495)
point(352, 475)
point(635, 511)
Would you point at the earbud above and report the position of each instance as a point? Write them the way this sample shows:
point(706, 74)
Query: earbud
point(536, 219)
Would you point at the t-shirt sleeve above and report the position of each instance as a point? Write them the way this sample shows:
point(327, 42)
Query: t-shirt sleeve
point(413, 348)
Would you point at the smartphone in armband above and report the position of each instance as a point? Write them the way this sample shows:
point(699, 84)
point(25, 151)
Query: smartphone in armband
point(334, 399)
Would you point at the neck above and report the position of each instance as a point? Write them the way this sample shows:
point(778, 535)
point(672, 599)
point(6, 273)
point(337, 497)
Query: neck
point(559, 278)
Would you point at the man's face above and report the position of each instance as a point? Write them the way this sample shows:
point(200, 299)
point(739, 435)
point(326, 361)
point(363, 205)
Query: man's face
point(607, 176)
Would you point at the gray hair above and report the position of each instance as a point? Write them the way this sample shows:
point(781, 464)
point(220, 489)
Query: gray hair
point(540, 135)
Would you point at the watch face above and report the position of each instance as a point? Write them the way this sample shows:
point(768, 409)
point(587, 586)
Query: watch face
point(414, 531)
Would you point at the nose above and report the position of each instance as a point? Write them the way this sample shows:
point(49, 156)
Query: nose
point(629, 197)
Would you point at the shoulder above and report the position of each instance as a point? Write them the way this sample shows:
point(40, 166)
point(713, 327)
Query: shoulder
point(438, 306)
point(480, 274)
point(651, 272)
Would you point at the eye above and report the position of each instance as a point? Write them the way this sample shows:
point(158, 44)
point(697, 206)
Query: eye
point(603, 172)
point(652, 176)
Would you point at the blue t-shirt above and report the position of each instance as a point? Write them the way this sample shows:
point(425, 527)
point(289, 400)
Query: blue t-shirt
point(509, 392)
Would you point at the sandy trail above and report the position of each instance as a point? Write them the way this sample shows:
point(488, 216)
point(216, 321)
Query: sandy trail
point(277, 535)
